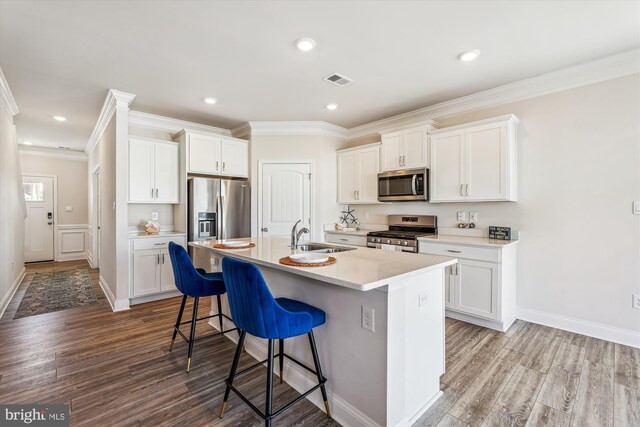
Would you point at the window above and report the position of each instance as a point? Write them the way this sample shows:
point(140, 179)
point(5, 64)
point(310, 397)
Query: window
point(34, 191)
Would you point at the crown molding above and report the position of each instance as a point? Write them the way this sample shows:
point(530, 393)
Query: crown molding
point(53, 153)
point(168, 124)
point(6, 97)
point(267, 128)
point(114, 98)
point(587, 73)
point(243, 130)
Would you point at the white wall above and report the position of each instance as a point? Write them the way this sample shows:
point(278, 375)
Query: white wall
point(72, 184)
point(104, 154)
point(321, 151)
point(578, 173)
point(12, 214)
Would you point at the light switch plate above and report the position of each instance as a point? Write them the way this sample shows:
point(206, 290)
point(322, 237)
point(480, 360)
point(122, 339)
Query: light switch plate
point(473, 216)
point(462, 216)
point(636, 207)
point(423, 298)
point(68, 208)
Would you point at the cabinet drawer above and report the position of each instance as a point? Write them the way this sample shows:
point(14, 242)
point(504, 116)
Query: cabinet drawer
point(156, 242)
point(460, 251)
point(345, 239)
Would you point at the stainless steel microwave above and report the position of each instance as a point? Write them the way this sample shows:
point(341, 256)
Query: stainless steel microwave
point(403, 185)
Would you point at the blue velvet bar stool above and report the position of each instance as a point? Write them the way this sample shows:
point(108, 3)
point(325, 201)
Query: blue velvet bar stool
point(256, 312)
point(196, 283)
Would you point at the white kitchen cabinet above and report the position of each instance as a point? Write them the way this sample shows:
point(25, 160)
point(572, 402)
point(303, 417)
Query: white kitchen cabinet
point(345, 239)
point(358, 174)
point(153, 171)
point(151, 270)
point(214, 154)
point(475, 161)
point(481, 287)
point(405, 149)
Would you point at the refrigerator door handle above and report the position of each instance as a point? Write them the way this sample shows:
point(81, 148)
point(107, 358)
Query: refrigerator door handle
point(220, 218)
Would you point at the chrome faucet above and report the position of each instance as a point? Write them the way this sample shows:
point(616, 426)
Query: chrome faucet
point(295, 234)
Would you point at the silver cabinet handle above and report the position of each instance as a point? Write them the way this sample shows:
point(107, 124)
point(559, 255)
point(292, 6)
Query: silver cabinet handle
point(404, 160)
point(158, 258)
point(159, 244)
point(344, 240)
point(355, 197)
point(163, 258)
point(156, 193)
point(222, 166)
point(461, 187)
point(152, 193)
point(357, 194)
point(466, 189)
point(455, 252)
point(217, 163)
point(399, 160)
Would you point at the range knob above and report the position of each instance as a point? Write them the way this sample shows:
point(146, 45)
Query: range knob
point(378, 240)
point(388, 241)
point(405, 243)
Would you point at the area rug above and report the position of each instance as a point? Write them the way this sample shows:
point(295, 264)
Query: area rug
point(57, 291)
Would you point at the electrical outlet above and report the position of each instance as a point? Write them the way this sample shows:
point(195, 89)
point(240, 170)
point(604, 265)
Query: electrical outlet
point(154, 216)
point(366, 214)
point(473, 216)
point(367, 318)
point(423, 298)
point(462, 216)
point(636, 301)
point(68, 208)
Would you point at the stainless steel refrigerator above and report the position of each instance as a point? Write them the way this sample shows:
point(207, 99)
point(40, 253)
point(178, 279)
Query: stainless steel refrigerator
point(218, 209)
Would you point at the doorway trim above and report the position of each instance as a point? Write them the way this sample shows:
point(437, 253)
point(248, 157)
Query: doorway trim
point(95, 203)
point(312, 201)
point(55, 208)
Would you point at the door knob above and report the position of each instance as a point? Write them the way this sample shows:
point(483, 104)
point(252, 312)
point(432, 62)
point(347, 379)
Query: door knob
point(265, 229)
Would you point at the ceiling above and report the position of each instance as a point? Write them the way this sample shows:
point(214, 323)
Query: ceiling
point(61, 57)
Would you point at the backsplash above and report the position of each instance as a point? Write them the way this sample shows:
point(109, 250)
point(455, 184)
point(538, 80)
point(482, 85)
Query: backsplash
point(140, 213)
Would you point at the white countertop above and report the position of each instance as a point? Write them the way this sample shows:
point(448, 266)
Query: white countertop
point(349, 233)
point(362, 269)
point(142, 234)
point(465, 240)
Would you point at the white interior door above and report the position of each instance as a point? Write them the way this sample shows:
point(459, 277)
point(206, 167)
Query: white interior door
point(97, 218)
point(286, 198)
point(39, 196)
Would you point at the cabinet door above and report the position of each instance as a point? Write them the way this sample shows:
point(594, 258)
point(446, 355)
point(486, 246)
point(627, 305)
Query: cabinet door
point(447, 171)
point(415, 148)
point(477, 288)
point(347, 176)
point(146, 273)
point(486, 162)
point(167, 281)
point(141, 159)
point(391, 151)
point(367, 185)
point(235, 160)
point(204, 154)
point(167, 170)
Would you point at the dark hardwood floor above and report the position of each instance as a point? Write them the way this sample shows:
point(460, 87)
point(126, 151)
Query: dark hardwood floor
point(114, 369)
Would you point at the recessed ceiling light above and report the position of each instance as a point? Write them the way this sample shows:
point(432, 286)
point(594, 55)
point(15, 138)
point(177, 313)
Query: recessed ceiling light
point(469, 55)
point(210, 100)
point(332, 106)
point(60, 118)
point(27, 142)
point(305, 44)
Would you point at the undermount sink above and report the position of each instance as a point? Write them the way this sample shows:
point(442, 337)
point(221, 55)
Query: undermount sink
point(323, 249)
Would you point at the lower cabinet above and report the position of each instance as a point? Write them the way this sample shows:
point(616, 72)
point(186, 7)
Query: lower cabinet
point(151, 268)
point(481, 290)
point(346, 239)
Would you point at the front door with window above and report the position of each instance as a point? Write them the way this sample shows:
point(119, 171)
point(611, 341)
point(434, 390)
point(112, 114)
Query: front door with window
point(38, 194)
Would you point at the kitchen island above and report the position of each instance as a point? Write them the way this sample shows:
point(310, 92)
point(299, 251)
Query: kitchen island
point(386, 376)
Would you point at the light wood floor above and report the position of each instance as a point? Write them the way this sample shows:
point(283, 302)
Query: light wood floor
point(115, 369)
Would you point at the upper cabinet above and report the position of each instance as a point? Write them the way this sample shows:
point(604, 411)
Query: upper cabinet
point(405, 149)
point(153, 171)
point(475, 161)
point(215, 155)
point(358, 174)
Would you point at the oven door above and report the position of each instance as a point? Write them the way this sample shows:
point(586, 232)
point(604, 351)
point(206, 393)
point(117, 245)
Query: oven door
point(405, 185)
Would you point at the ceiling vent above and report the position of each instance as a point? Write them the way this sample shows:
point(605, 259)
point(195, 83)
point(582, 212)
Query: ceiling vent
point(338, 79)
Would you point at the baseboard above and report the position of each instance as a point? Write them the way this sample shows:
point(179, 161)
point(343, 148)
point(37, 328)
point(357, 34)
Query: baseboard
point(75, 256)
point(12, 291)
point(154, 297)
point(299, 379)
point(412, 419)
point(583, 327)
point(89, 257)
point(485, 323)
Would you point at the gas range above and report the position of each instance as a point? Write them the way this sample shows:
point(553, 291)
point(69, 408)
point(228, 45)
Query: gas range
point(403, 232)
